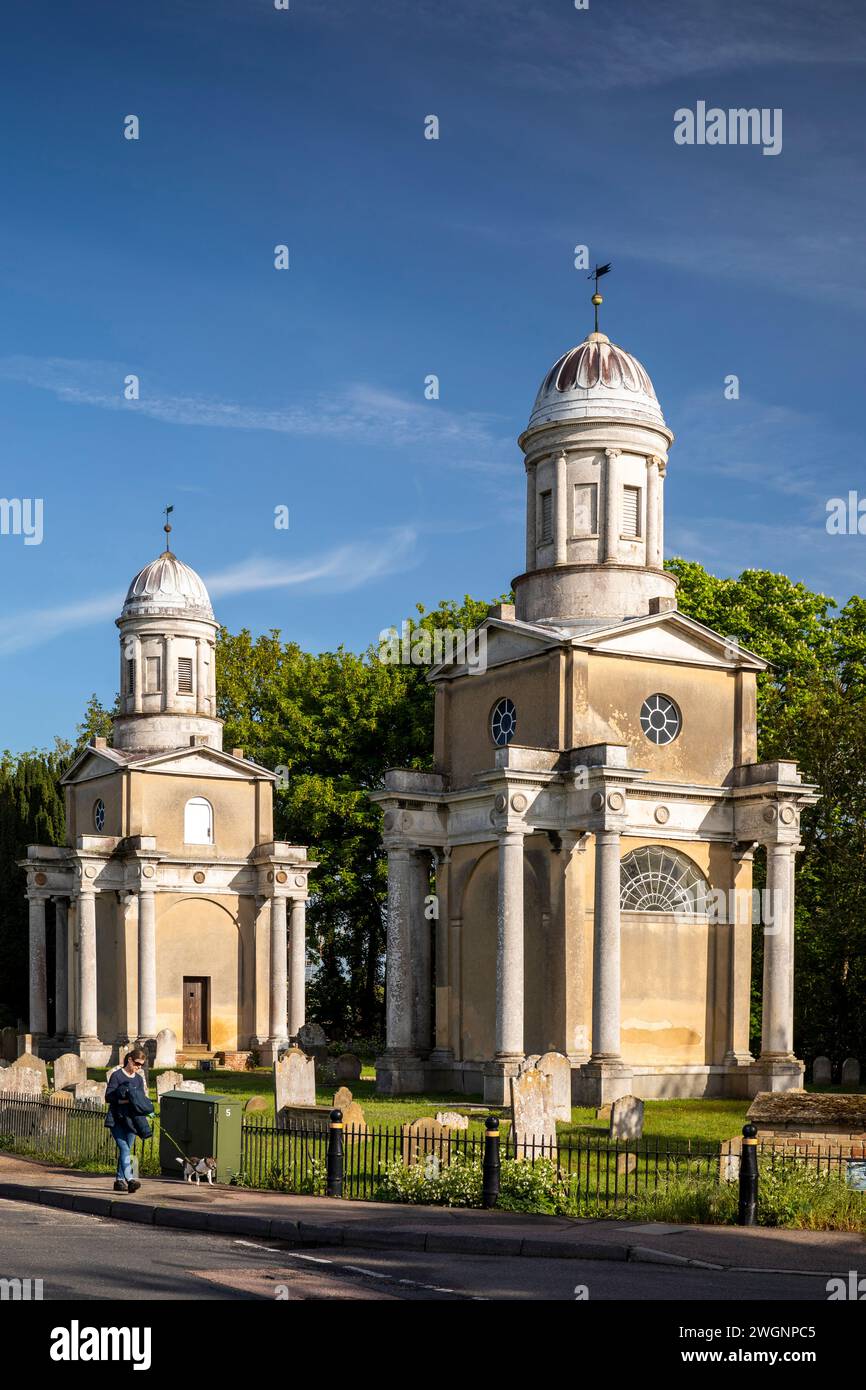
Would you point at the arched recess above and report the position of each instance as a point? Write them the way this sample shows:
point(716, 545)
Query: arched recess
point(208, 939)
point(478, 957)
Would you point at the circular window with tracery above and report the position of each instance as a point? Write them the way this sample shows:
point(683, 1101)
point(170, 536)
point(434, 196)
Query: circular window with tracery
point(660, 719)
point(99, 815)
point(503, 722)
point(654, 879)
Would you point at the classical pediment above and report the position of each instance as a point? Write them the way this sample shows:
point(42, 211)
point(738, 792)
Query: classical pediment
point(94, 762)
point(496, 642)
point(673, 637)
point(201, 761)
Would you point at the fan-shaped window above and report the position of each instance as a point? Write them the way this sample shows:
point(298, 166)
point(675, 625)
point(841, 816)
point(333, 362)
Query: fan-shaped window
point(654, 879)
point(198, 822)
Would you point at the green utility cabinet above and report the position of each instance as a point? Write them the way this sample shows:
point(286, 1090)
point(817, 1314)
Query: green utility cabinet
point(203, 1126)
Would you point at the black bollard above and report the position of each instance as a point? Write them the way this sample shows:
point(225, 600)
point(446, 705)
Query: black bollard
point(335, 1155)
point(490, 1180)
point(748, 1213)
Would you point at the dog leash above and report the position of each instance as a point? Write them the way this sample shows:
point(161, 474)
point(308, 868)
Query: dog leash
point(186, 1158)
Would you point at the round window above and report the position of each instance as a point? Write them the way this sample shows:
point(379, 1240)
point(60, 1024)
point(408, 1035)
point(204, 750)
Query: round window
point(660, 719)
point(503, 722)
point(99, 815)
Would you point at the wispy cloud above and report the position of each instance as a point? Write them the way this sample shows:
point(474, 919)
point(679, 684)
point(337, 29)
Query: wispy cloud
point(360, 412)
point(340, 570)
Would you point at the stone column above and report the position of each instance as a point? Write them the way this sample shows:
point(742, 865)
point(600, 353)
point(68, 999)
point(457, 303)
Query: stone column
point(87, 965)
point(531, 512)
point(279, 974)
point(421, 935)
point(399, 987)
point(201, 694)
point(61, 968)
point(146, 963)
point(169, 678)
point(611, 504)
point(560, 510)
point(137, 703)
point(606, 986)
point(652, 512)
point(777, 1023)
point(297, 967)
point(737, 935)
point(442, 957)
point(509, 948)
point(38, 1021)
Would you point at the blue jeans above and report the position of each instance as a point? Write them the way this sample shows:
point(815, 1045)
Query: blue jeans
point(124, 1138)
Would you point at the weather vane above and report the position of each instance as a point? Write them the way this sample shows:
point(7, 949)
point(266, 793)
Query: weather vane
point(596, 276)
point(167, 527)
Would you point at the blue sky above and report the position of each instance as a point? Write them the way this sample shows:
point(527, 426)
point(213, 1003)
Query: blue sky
point(408, 257)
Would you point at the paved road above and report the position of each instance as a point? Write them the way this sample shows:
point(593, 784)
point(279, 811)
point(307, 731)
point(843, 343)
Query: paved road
point(85, 1257)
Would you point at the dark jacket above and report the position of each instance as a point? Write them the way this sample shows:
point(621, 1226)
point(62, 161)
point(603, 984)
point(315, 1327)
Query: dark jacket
point(128, 1103)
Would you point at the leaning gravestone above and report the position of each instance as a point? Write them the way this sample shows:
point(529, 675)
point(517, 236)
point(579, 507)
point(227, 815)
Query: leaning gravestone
point(294, 1079)
point(424, 1139)
point(626, 1118)
point(31, 1062)
point(452, 1120)
point(69, 1069)
point(850, 1072)
point(822, 1071)
point(558, 1068)
point(90, 1093)
point(532, 1124)
point(22, 1081)
point(9, 1044)
point(166, 1048)
point(255, 1105)
point(353, 1117)
point(168, 1081)
point(348, 1067)
point(342, 1098)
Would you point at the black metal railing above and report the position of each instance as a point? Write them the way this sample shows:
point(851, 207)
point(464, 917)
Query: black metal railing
point(597, 1174)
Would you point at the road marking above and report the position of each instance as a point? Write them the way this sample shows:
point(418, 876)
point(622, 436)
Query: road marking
point(251, 1245)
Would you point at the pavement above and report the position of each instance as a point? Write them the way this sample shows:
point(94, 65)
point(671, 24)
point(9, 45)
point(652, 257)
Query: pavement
point(359, 1225)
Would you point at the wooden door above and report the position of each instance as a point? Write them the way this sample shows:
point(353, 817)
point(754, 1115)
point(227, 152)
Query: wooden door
point(195, 1011)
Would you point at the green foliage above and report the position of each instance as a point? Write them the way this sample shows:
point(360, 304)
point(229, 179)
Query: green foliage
point(697, 1201)
point(801, 1196)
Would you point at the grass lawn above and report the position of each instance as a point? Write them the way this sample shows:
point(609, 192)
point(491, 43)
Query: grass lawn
point(701, 1121)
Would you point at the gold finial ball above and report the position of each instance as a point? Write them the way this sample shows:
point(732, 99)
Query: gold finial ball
point(597, 299)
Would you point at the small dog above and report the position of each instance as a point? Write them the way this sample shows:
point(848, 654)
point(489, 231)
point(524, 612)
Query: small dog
point(198, 1168)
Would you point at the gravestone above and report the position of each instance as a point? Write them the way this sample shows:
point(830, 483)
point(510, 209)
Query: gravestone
point(532, 1124)
point(168, 1081)
point(850, 1072)
point(452, 1120)
point(69, 1069)
point(24, 1081)
point(25, 1045)
point(603, 1112)
point(348, 1067)
point(166, 1048)
point(31, 1062)
point(294, 1079)
point(342, 1098)
point(626, 1118)
point(91, 1093)
point(353, 1117)
point(822, 1071)
point(424, 1139)
point(9, 1044)
point(558, 1068)
point(148, 1047)
point(312, 1038)
point(61, 1098)
point(255, 1105)
point(191, 1086)
point(528, 1063)
point(625, 1164)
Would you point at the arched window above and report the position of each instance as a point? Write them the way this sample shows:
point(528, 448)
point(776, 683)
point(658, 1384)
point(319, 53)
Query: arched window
point(198, 822)
point(656, 879)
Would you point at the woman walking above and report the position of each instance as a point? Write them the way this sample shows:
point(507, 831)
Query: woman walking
point(128, 1107)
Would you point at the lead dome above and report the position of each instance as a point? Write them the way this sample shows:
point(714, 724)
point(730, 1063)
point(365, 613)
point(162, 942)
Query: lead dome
point(596, 380)
point(167, 584)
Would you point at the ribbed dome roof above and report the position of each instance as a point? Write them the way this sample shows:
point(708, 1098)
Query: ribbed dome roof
point(167, 584)
point(596, 380)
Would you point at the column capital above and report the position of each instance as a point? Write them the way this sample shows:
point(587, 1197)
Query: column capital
point(612, 453)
